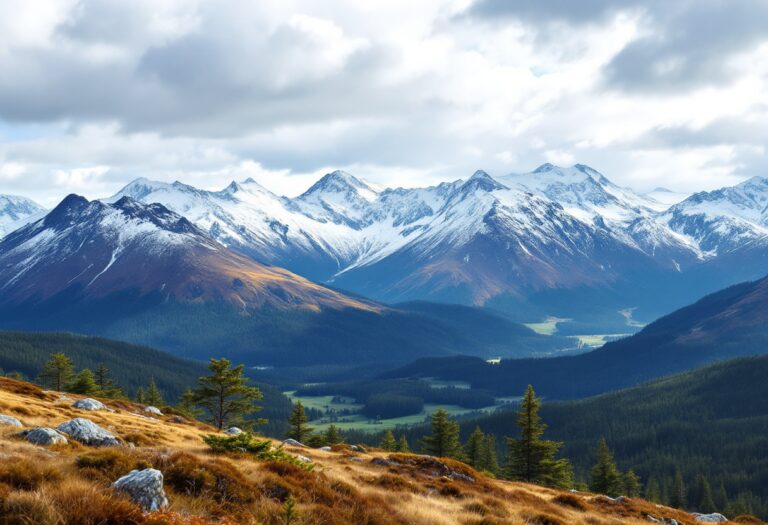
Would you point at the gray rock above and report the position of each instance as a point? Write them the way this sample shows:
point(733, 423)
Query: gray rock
point(8, 420)
point(325, 449)
point(177, 419)
point(44, 436)
point(88, 433)
point(293, 443)
point(145, 488)
point(153, 410)
point(89, 404)
point(233, 431)
point(710, 518)
point(303, 459)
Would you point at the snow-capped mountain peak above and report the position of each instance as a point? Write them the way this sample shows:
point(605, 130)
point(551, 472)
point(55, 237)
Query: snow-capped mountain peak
point(340, 181)
point(16, 211)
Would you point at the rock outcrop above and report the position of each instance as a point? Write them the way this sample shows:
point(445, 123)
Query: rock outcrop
point(44, 436)
point(88, 433)
point(89, 403)
point(11, 421)
point(144, 487)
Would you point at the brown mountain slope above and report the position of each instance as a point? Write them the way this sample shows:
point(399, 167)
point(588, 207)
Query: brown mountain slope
point(70, 484)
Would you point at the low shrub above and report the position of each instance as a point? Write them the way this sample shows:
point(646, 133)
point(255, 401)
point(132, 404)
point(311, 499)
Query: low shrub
point(28, 508)
point(569, 500)
point(216, 480)
point(84, 504)
point(26, 475)
point(113, 463)
point(246, 443)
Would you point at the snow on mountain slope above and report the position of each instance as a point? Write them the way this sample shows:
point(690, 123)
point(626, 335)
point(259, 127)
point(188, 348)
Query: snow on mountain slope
point(662, 198)
point(16, 211)
point(91, 250)
point(724, 220)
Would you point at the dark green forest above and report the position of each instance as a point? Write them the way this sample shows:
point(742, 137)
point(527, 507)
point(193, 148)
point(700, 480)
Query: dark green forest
point(130, 366)
point(711, 422)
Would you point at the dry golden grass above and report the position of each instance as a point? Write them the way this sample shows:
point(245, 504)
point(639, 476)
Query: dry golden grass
point(70, 484)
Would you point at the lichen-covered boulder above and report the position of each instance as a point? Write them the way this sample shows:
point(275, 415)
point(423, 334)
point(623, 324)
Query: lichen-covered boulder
point(710, 518)
point(144, 487)
point(293, 443)
point(89, 403)
point(44, 436)
point(325, 449)
point(88, 433)
point(153, 410)
point(233, 431)
point(11, 421)
point(303, 459)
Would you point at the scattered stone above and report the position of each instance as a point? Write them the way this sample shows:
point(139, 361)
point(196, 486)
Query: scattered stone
point(652, 518)
point(233, 431)
point(714, 517)
point(383, 462)
point(8, 420)
point(88, 433)
point(153, 410)
point(303, 459)
point(620, 499)
point(145, 488)
point(462, 477)
point(89, 403)
point(326, 449)
point(44, 436)
point(177, 419)
point(293, 443)
point(355, 448)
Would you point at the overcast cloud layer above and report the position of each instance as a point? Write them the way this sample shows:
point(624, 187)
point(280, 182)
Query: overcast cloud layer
point(95, 93)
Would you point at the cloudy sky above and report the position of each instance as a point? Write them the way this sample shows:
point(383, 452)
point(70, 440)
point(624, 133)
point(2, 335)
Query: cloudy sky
point(95, 93)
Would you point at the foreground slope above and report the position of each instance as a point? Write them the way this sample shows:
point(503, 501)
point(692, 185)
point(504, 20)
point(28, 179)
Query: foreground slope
point(141, 273)
point(71, 484)
point(723, 325)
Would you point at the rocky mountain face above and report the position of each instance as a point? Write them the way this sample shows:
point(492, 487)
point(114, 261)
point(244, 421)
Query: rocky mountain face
point(551, 236)
point(15, 211)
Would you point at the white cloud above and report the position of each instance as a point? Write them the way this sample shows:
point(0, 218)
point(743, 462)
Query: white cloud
point(95, 93)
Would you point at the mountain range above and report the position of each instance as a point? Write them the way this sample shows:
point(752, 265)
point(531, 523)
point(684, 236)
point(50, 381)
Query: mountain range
point(15, 211)
point(142, 273)
point(555, 241)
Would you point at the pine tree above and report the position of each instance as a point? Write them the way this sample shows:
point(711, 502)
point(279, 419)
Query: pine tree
point(474, 448)
point(141, 396)
point(57, 372)
point(226, 396)
point(444, 441)
point(84, 383)
point(102, 378)
point(652, 491)
point(187, 405)
point(154, 397)
point(298, 427)
point(702, 497)
point(332, 436)
point(605, 477)
point(721, 496)
point(388, 441)
point(402, 444)
point(531, 458)
point(677, 498)
point(489, 460)
point(631, 484)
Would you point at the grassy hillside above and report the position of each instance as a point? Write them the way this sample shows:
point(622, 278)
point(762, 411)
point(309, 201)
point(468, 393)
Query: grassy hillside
point(711, 422)
point(343, 487)
point(131, 367)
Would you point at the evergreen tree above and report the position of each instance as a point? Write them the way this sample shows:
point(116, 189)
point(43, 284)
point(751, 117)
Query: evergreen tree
point(402, 444)
point(652, 491)
point(475, 447)
point(332, 436)
point(388, 441)
point(531, 458)
point(631, 484)
point(187, 405)
point(153, 396)
point(721, 496)
point(444, 441)
point(102, 378)
point(605, 477)
point(677, 497)
point(84, 383)
point(702, 500)
point(226, 396)
point(298, 428)
point(489, 461)
point(141, 396)
point(57, 372)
